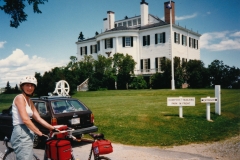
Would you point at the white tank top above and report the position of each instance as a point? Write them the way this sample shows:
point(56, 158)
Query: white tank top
point(15, 114)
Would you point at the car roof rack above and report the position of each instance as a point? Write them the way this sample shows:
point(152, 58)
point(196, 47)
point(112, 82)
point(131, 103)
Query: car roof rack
point(52, 97)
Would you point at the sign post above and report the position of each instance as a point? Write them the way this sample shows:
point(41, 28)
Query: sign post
point(208, 100)
point(181, 101)
point(218, 103)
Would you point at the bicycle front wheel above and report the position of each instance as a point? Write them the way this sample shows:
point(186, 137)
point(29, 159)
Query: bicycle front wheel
point(9, 156)
point(102, 157)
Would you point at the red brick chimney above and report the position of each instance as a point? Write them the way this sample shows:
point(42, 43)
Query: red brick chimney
point(167, 12)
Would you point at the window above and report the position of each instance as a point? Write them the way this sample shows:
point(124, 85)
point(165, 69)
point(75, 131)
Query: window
point(145, 65)
point(190, 42)
point(139, 20)
point(124, 24)
point(83, 50)
point(93, 49)
point(119, 24)
point(42, 108)
point(160, 38)
point(184, 40)
point(146, 40)
point(134, 22)
point(127, 41)
point(176, 37)
point(158, 63)
point(108, 43)
point(129, 23)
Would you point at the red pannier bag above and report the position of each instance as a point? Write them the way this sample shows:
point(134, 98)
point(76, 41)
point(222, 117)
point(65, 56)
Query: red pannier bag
point(58, 149)
point(102, 146)
point(61, 128)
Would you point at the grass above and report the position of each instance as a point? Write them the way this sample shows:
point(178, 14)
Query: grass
point(142, 117)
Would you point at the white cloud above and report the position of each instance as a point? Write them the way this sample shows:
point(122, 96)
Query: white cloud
point(220, 41)
point(19, 64)
point(27, 45)
point(2, 44)
point(185, 17)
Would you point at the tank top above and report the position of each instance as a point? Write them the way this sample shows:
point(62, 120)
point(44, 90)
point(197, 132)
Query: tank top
point(15, 114)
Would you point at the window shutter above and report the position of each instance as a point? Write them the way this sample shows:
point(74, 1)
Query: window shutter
point(81, 50)
point(105, 43)
point(86, 50)
point(197, 44)
point(141, 64)
point(131, 41)
point(91, 49)
point(175, 38)
point(148, 63)
point(111, 42)
point(182, 39)
point(179, 38)
point(95, 48)
point(148, 39)
point(123, 41)
point(164, 37)
point(144, 40)
point(156, 63)
point(156, 39)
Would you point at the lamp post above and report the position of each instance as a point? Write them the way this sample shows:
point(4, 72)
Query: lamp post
point(172, 58)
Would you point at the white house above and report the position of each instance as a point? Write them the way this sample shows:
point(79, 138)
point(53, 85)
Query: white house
point(145, 37)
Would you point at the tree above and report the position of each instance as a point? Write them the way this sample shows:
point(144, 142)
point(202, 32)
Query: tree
point(96, 33)
point(81, 37)
point(123, 68)
point(8, 88)
point(138, 83)
point(15, 8)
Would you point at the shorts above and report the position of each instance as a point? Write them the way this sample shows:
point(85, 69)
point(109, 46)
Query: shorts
point(22, 142)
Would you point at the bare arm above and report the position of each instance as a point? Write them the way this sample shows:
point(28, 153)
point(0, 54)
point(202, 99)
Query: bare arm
point(21, 105)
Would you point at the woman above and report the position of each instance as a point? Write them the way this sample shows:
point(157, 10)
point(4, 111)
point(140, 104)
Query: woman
point(24, 129)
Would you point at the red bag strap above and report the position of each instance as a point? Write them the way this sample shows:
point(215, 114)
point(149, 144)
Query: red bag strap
point(57, 148)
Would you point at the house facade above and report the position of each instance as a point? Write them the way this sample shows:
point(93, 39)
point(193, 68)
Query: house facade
point(145, 37)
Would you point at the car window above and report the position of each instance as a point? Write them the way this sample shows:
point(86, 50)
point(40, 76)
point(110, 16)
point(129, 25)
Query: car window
point(66, 106)
point(42, 108)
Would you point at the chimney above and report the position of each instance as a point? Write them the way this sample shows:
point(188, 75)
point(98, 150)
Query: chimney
point(167, 12)
point(108, 23)
point(144, 13)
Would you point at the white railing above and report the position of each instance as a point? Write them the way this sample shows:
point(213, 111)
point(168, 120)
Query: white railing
point(147, 71)
point(83, 86)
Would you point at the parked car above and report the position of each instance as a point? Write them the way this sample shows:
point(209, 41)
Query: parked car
point(56, 110)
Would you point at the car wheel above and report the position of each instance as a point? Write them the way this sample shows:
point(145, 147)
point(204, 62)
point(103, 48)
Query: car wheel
point(35, 141)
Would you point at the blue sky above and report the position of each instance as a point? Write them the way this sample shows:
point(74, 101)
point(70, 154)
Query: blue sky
point(47, 40)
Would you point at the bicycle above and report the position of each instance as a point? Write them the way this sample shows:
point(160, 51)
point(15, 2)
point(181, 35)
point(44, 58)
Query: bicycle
point(95, 150)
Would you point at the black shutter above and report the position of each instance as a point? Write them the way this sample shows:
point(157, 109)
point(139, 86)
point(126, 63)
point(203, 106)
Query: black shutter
point(123, 41)
point(95, 49)
point(144, 40)
point(197, 44)
point(81, 50)
point(111, 42)
point(131, 41)
point(182, 39)
point(86, 50)
point(156, 39)
point(164, 37)
point(148, 39)
point(179, 38)
point(189, 42)
point(105, 43)
point(141, 64)
point(175, 38)
point(156, 63)
point(148, 63)
point(91, 49)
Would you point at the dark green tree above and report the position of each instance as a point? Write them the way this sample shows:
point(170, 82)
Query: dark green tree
point(123, 68)
point(138, 83)
point(15, 8)
point(96, 33)
point(8, 89)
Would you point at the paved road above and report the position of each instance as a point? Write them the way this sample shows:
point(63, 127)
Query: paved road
point(81, 151)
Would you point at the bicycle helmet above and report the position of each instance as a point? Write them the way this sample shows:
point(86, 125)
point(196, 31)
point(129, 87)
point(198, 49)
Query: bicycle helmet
point(28, 79)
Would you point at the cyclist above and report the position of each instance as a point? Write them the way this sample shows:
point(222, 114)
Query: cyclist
point(23, 128)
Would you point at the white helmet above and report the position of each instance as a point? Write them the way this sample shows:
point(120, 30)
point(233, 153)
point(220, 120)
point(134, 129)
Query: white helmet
point(28, 79)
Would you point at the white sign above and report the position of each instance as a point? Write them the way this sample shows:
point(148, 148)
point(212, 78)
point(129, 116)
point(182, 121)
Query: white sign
point(181, 101)
point(209, 100)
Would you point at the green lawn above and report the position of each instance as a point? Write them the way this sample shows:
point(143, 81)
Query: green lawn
point(142, 117)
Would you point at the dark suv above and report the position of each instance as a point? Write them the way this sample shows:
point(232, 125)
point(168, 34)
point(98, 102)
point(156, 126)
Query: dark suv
point(56, 110)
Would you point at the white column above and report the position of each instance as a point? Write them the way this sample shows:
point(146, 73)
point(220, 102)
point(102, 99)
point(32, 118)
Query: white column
point(116, 45)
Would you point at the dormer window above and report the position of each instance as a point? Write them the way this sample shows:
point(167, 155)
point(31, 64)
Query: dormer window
point(129, 23)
